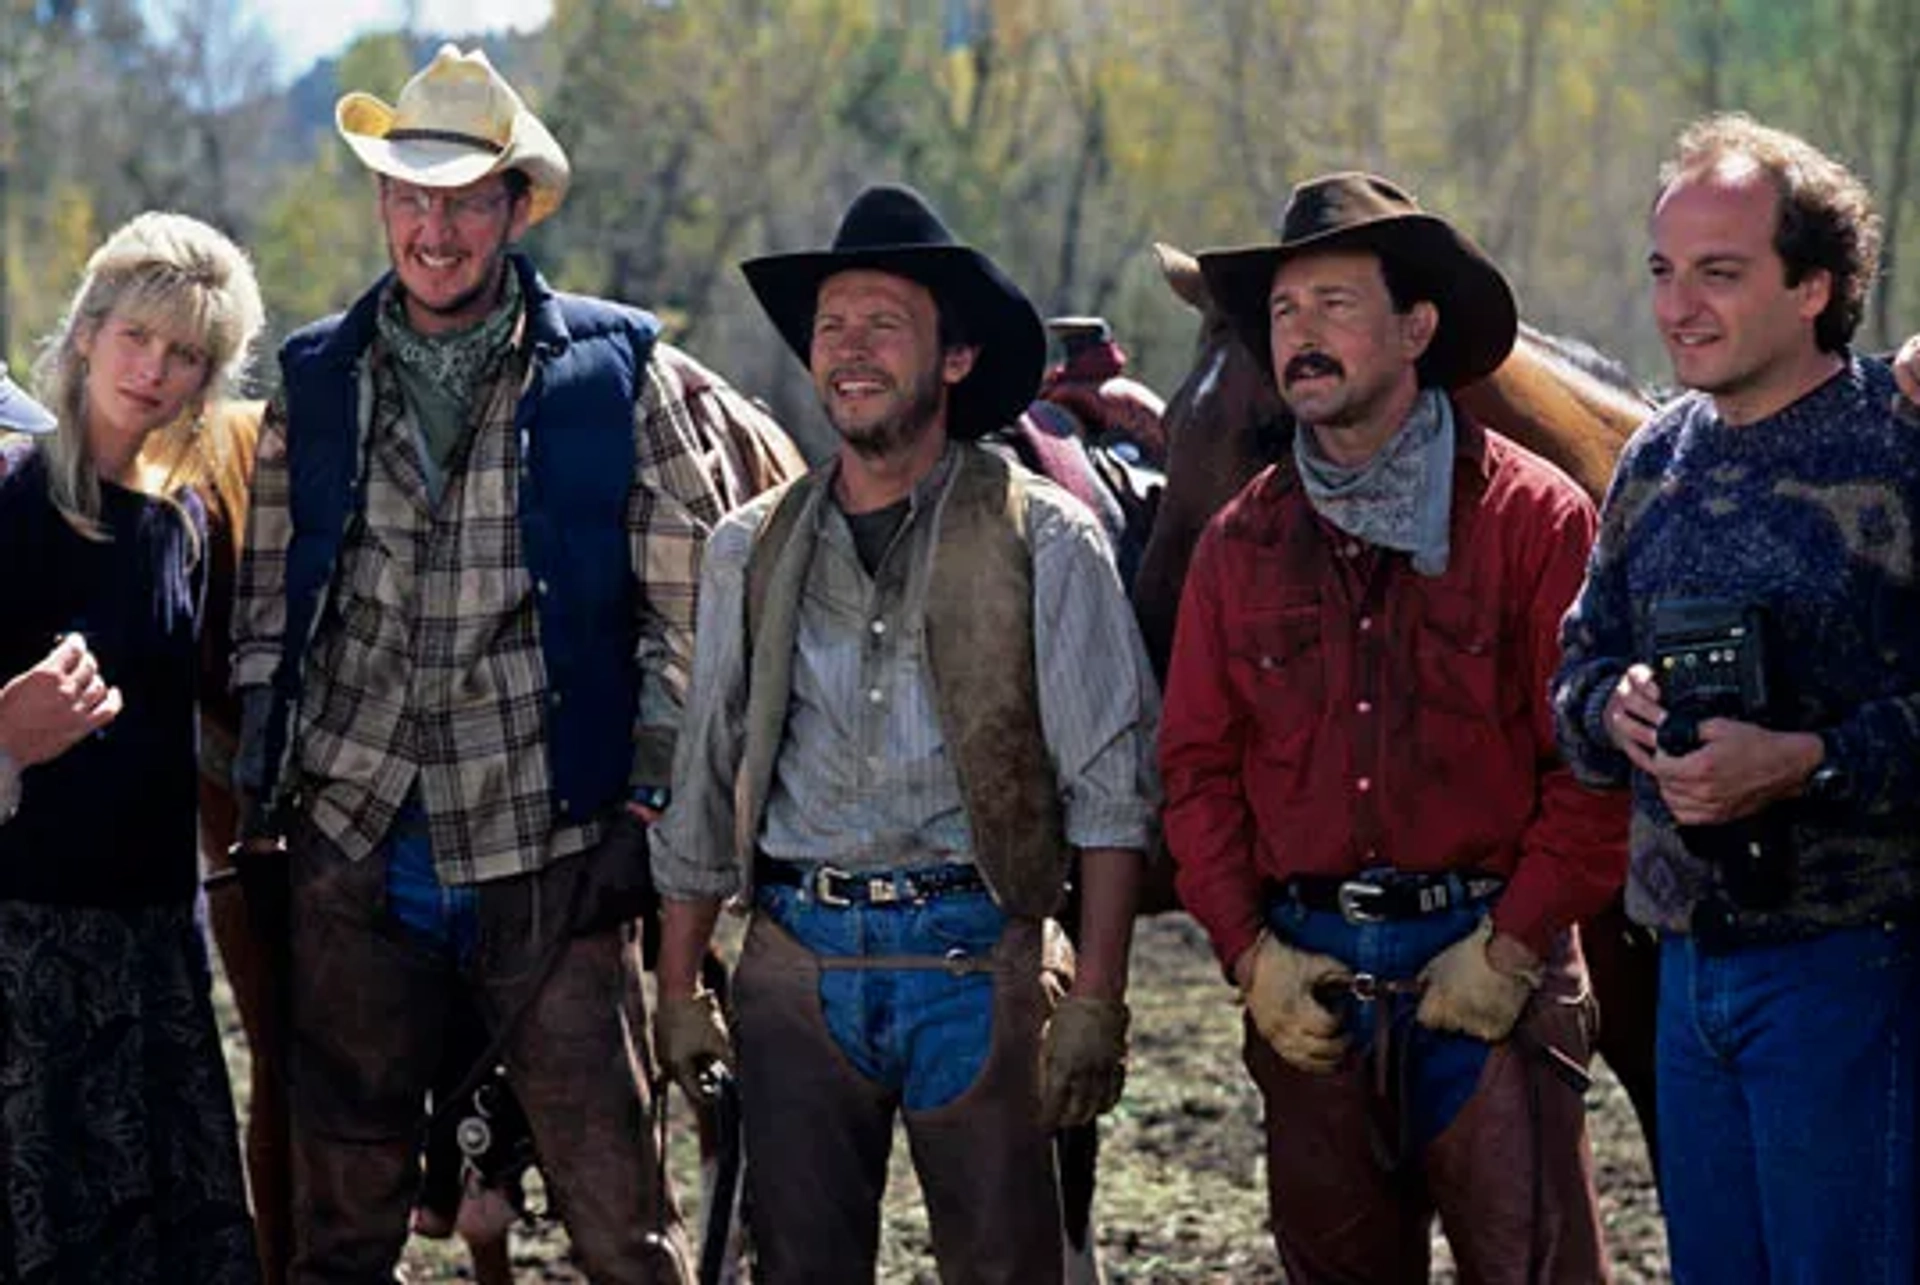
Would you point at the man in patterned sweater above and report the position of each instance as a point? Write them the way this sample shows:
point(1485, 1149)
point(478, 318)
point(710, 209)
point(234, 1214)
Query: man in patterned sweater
point(1758, 543)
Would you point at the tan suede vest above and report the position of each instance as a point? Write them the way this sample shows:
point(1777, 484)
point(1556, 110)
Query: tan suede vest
point(979, 628)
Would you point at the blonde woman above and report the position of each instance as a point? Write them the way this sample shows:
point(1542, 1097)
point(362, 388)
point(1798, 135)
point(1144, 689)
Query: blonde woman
point(117, 1134)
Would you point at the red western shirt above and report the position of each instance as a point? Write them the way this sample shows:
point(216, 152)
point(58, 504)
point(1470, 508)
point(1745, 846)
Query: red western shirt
point(1330, 710)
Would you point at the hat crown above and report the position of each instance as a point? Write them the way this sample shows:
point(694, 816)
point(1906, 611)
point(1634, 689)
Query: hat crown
point(892, 229)
point(1336, 201)
point(1354, 211)
point(459, 93)
point(456, 122)
point(886, 217)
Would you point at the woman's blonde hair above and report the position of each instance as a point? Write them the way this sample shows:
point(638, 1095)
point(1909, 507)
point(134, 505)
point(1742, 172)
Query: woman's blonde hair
point(180, 277)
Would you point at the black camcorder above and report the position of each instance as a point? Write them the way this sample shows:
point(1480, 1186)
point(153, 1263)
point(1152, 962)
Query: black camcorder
point(1710, 659)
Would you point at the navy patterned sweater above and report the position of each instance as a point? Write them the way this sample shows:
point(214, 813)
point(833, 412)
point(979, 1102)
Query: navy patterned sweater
point(1810, 514)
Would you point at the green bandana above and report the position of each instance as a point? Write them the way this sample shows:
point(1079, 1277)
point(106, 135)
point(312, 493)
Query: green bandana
point(440, 375)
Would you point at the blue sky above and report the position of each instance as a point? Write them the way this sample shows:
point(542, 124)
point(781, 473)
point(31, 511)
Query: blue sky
point(303, 30)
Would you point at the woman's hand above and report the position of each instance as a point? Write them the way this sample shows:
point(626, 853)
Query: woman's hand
point(50, 707)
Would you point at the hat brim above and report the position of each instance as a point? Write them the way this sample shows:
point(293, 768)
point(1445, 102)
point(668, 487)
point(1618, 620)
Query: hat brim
point(364, 121)
point(998, 316)
point(20, 413)
point(1479, 317)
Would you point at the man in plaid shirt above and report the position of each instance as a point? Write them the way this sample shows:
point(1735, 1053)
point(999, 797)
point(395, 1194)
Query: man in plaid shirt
point(463, 635)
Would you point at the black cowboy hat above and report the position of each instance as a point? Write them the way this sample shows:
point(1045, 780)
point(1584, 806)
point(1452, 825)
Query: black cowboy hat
point(1479, 319)
point(892, 229)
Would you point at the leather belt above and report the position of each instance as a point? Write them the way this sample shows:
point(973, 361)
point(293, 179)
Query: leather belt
point(831, 886)
point(1382, 900)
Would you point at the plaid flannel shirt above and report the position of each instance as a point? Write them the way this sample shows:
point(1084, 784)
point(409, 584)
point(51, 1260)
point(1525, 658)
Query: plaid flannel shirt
point(425, 670)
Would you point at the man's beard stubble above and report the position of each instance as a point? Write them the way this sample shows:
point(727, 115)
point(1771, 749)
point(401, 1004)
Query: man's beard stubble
point(894, 434)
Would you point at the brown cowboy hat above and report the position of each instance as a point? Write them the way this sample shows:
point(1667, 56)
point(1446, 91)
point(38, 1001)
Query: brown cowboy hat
point(1352, 211)
point(892, 229)
point(456, 122)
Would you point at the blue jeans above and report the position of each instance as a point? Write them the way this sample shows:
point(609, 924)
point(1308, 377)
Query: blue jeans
point(1786, 1101)
point(1443, 1068)
point(921, 1033)
point(435, 915)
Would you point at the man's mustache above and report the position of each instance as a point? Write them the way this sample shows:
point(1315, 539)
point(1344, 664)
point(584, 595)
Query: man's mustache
point(1309, 365)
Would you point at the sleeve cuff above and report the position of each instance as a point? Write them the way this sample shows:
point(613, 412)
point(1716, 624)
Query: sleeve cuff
point(678, 879)
point(1529, 931)
point(249, 756)
point(1232, 941)
point(652, 756)
point(1112, 825)
point(1593, 718)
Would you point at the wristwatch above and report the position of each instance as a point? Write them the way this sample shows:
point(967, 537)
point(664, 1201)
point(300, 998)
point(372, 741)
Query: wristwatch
point(1830, 782)
point(9, 787)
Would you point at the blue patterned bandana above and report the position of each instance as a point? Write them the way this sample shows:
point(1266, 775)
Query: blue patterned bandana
point(1399, 499)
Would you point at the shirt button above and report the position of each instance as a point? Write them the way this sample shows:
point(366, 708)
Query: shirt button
point(878, 627)
point(540, 587)
point(1364, 784)
point(1363, 707)
point(1351, 549)
point(554, 698)
point(1366, 624)
point(875, 695)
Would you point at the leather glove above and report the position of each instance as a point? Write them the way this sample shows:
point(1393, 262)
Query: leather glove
point(1279, 995)
point(690, 1035)
point(1083, 1061)
point(1466, 993)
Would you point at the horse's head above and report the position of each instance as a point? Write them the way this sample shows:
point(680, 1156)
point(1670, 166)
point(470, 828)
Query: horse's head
point(1223, 424)
point(1226, 391)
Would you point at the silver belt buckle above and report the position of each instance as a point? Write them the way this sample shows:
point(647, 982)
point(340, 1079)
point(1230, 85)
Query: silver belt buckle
point(823, 877)
point(1352, 899)
point(881, 890)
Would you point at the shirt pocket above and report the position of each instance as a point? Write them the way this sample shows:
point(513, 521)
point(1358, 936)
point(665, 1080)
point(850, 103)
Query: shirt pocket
point(1276, 662)
point(1456, 660)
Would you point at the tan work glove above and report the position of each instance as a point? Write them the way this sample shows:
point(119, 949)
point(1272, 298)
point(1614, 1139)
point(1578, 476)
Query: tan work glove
point(1466, 993)
point(690, 1035)
point(1279, 995)
point(1083, 1061)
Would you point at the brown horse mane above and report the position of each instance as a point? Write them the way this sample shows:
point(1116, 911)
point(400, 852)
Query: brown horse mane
point(1560, 409)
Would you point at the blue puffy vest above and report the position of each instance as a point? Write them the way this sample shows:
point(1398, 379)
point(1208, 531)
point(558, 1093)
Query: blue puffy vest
point(575, 424)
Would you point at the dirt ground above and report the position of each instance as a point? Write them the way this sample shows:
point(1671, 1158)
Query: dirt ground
point(1182, 1196)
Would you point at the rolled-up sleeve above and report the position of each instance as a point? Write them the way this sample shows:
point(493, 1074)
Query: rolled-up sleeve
point(1099, 706)
point(693, 843)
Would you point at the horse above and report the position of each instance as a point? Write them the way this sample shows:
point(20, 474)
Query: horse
point(1225, 423)
point(217, 462)
point(1086, 438)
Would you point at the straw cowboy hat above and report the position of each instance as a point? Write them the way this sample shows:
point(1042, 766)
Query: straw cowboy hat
point(892, 229)
point(456, 121)
point(1479, 319)
point(20, 412)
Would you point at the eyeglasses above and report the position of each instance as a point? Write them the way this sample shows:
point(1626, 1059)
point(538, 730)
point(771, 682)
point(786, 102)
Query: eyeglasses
point(417, 203)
